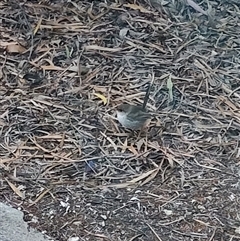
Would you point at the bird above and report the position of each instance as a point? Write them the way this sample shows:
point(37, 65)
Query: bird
point(133, 117)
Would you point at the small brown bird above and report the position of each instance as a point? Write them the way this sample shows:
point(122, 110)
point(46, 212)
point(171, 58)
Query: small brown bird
point(135, 117)
point(132, 116)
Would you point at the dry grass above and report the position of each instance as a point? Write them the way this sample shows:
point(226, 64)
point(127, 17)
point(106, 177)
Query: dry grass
point(64, 158)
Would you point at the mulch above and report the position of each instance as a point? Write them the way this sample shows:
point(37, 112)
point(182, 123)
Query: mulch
point(68, 164)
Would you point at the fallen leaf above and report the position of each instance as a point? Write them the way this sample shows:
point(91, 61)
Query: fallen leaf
point(96, 47)
point(15, 189)
point(102, 97)
point(99, 88)
point(137, 7)
point(5, 44)
point(133, 150)
point(196, 7)
point(140, 143)
point(150, 177)
point(15, 48)
point(38, 26)
point(170, 86)
point(125, 145)
point(51, 67)
point(144, 176)
point(123, 32)
point(40, 197)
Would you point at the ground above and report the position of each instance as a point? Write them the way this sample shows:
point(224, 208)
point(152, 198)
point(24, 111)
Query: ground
point(66, 161)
